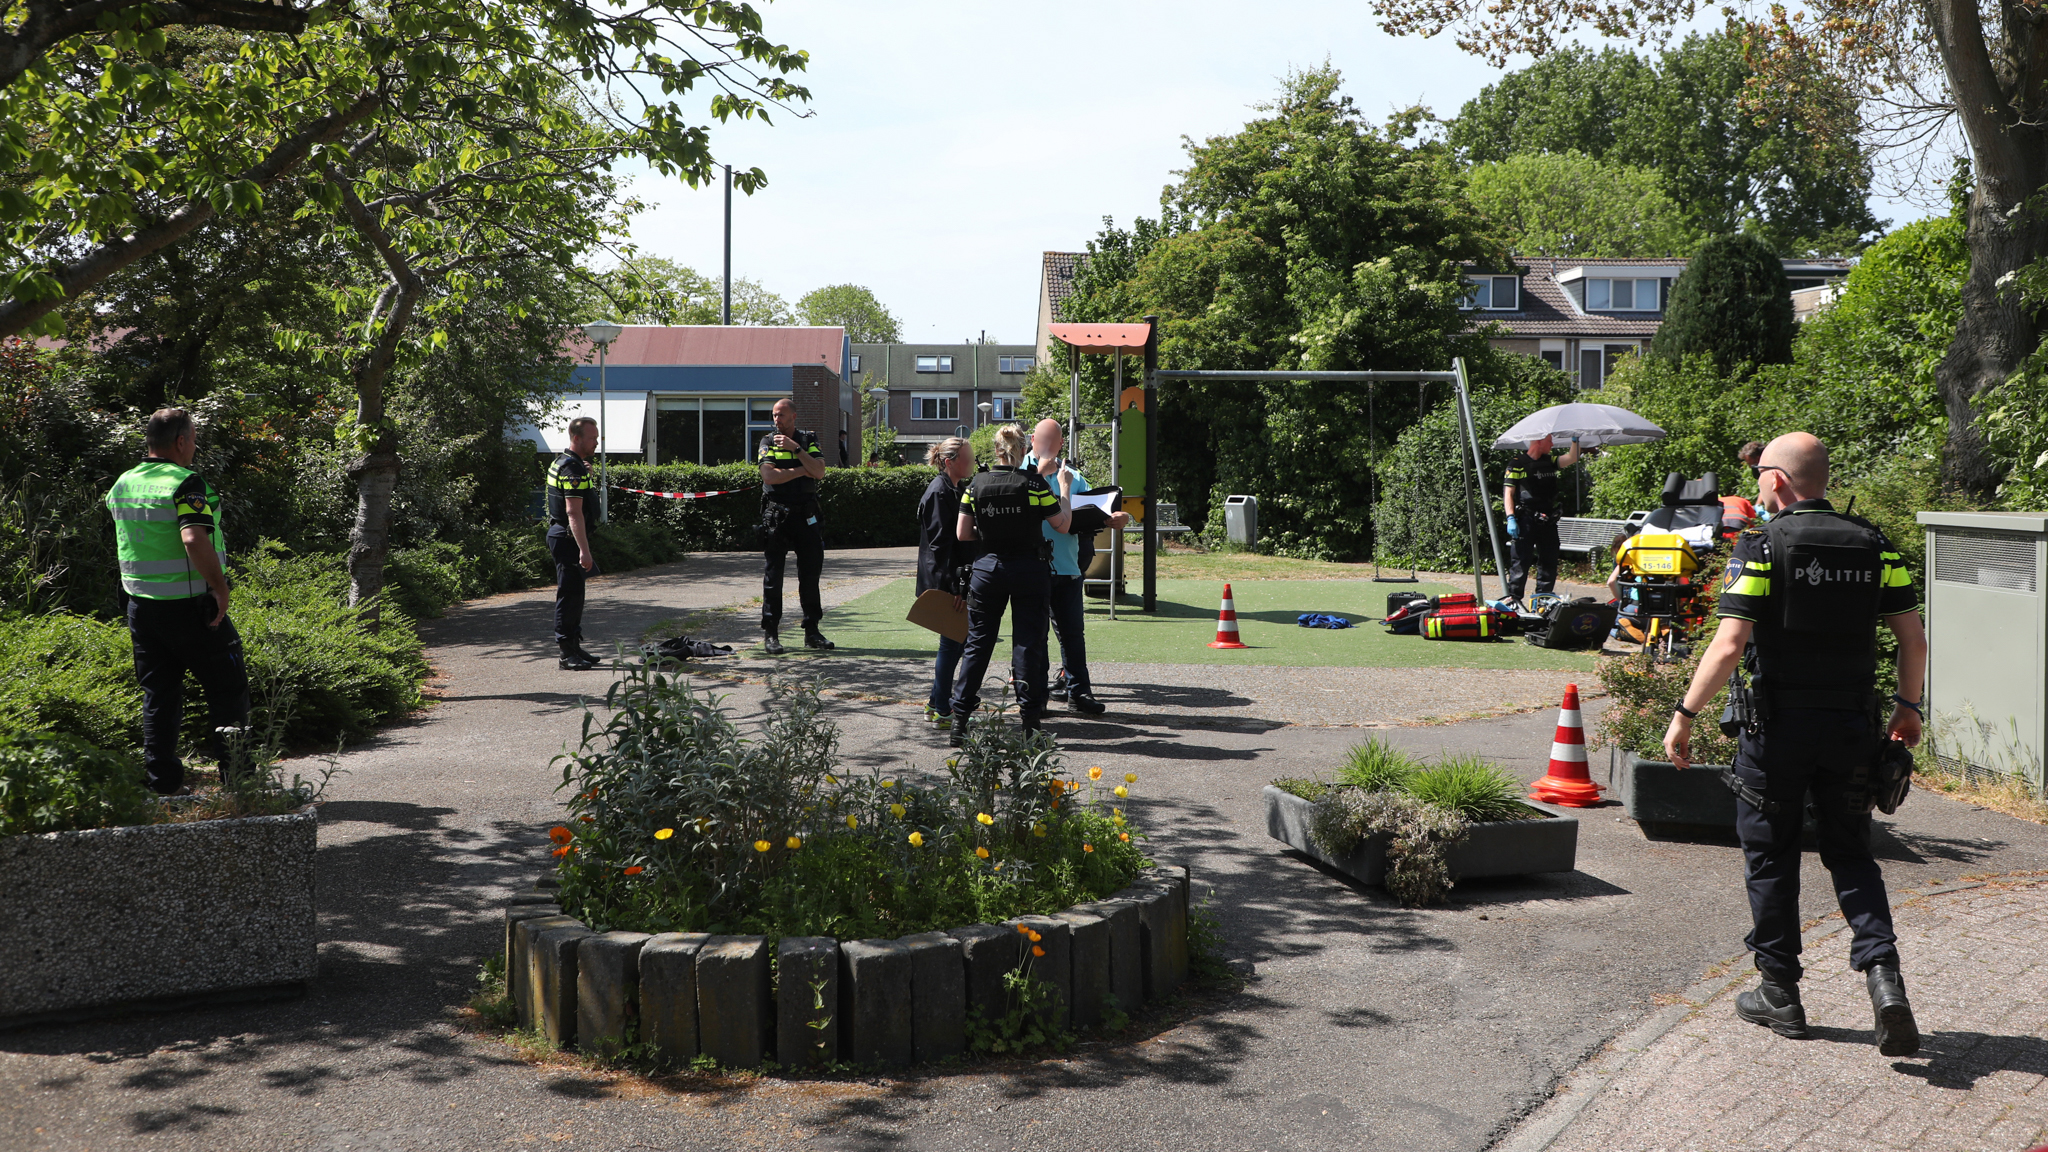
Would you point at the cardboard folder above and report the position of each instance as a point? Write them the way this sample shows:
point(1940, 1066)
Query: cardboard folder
point(934, 610)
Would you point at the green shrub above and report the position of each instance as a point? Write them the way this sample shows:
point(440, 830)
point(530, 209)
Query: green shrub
point(1732, 304)
point(1420, 835)
point(1640, 694)
point(1373, 765)
point(1479, 791)
point(51, 782)
point(678, 822)
point(857, 507)
point(70, 674)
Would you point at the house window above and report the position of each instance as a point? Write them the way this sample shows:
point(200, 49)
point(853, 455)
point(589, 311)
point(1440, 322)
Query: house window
point(1015, 363)
point(1493, 293)
point(934, 363)
point(1005, 406)
point(1597, 363)
point(1554, 359)
point(934, 406)
point(1621, 295)
point(854, 365)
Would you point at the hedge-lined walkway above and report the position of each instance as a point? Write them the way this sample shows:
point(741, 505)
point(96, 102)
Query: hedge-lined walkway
point(1363, 1025)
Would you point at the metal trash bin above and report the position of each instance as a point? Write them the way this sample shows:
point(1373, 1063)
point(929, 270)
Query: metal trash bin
point(1241, 520)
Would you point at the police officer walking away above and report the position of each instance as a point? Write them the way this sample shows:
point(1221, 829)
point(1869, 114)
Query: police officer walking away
point(791, 466)
point(1530, 501)
point(1804, 596)
point(168, 538)
point(570, 497)
point(1006, 509)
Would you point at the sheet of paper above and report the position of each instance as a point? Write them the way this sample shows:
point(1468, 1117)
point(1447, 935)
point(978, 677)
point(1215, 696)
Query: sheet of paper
point(1104, 499)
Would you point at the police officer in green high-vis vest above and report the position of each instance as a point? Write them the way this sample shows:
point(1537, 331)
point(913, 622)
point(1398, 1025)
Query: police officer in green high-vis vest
point(167, 531)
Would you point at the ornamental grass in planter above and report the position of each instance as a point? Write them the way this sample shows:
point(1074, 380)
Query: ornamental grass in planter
point(677, 821)
point(1424, 812)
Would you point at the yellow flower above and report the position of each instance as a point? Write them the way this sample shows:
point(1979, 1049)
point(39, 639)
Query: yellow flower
point(997, 866)
point(852, 821)
point(793, 843)
point(762, 845)
point(1095, 773)
point(917, 839)
point(984, 818)
point(896, 810)
point(981, 852)
point(1087, 847)
point(1038, 830)
point(664, 834)
point(1130, 777)
point(831, 779)
point(1117, 820)
point(888, 783)
point(1122, 791)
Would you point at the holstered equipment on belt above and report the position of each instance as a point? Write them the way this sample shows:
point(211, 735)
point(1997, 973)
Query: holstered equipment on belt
point(1891, 775)
point(774, 514)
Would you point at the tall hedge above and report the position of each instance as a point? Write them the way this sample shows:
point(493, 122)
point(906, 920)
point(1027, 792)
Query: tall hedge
point(1732, 304)
point(858, 507)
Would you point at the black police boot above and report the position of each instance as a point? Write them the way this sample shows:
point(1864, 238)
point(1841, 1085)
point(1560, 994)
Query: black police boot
point(958, 736)
point(587, 654)
point(771, 642)
point(816, 639)
point(1897, 1034)
point(1058, 691)
point(1775, 1006)
point(575, 660)
point(1087, 703)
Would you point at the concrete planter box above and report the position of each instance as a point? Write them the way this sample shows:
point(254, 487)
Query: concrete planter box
point(1677, 803)
point(1506, 848)
point(888, 1003)
point(156, 916)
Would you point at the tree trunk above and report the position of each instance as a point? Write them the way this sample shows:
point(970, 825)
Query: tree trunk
point(369, 540)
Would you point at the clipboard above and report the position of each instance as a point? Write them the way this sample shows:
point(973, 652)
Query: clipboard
point(934, 610)
point(1093, 515)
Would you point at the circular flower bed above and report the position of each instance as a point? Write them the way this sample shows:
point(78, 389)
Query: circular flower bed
point(679, 822)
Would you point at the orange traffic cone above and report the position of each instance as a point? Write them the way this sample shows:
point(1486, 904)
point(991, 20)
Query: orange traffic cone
point(1226, 623)
point(1567, 782)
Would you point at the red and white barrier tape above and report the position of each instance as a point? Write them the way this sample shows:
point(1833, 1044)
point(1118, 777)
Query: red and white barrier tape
point(688, 495)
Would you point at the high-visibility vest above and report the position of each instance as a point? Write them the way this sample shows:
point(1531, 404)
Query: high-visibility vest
point(150, 546)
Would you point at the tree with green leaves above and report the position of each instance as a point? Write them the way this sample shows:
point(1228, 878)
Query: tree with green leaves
point(853, 308)
point(1732, 305)
point(653, 290)
point(1685, 118)
point(1570, 204)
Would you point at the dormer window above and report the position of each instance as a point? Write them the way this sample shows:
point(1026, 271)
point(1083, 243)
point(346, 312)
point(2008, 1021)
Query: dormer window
point(1492, 294)
point(1605, 295)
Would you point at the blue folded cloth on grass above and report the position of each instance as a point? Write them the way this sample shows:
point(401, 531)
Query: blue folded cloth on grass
point(1321, 620)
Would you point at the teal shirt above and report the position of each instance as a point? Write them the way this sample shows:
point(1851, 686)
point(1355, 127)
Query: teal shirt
point(1066, 547)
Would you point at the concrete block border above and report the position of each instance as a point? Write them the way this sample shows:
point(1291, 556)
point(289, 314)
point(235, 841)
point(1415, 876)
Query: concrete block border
point(890, 1003)
point(156, 916)
point(1507, 848)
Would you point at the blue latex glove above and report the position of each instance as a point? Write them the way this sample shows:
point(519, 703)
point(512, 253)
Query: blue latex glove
point(1514, 531)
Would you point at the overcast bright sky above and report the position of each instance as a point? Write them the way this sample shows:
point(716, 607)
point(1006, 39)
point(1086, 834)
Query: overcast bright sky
point(951, 143)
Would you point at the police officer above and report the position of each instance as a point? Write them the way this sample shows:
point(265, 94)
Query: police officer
point(791, 465)
point(1530, 501)
point(1005, 509)
point(571, 494)
point(1806, 592)
point(168, 538)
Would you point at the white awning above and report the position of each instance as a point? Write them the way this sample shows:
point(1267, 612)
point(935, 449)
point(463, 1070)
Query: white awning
point(622, 426)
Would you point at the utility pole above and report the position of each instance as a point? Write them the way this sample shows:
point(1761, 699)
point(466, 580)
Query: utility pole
point(725, 309)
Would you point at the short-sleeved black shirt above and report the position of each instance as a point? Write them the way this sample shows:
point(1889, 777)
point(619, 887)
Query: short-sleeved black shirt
point(195, 502)
point(801, 489)
point(568, 478)
point(1535, 481)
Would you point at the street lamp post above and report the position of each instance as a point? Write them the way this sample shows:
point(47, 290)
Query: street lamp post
point(602, 333)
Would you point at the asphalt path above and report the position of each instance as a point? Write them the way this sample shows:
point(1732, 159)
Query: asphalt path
point(1360, 1023)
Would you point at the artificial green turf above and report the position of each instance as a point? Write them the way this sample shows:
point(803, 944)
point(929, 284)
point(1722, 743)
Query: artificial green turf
point(1180, 632)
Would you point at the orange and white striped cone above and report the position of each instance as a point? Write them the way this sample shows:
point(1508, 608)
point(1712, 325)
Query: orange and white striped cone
point(1568, 783)
point(1226, 623)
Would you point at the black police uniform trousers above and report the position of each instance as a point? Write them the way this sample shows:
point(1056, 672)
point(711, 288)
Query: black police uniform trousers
point(1022, 584)
point(799, 533)
point(569, 582)
point(1816, 750)
point(1535, 544)
point(171, 638)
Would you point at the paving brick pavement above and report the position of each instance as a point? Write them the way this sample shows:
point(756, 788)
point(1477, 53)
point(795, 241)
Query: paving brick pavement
point(1975, 959)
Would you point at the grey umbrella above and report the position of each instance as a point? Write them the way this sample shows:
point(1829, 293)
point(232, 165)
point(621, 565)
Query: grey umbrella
point(1593, 424)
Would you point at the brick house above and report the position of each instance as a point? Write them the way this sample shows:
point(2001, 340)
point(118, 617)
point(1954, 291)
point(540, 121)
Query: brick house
point(1583, 315)
point(936, 390)
point(706, 393)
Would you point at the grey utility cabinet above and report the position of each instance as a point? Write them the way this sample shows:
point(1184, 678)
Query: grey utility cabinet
point(1987, 628)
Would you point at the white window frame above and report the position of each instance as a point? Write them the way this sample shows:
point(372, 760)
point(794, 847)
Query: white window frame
point(1492, 288)
point(934, 363)
point(1016, 364)
point(1005, 405)
point(1637, 285)
point(853, 363)
point(945, 403)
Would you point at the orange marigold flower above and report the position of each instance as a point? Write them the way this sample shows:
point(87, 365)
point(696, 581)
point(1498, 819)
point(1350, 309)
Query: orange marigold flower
point(1087, 847)
point(1035, 937)
point(1023, 930)
point(590, 819)
point(559, 834)
point(635, 870)
point(1037, 951)
point(1124, 836)
point(1095, 773)
point(559, 851)
point(981, 852)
